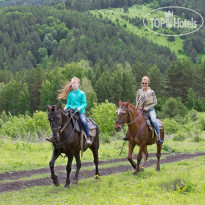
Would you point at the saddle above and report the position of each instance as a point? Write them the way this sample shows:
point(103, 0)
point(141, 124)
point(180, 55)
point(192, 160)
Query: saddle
point(149, 123)
point(92, 125)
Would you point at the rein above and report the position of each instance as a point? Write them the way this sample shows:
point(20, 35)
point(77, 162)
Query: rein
point(128, 113)
point(59, 145)
point(67, 122)
point(122, 122)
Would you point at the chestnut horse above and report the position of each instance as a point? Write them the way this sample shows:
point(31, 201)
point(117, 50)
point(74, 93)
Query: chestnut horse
point(138, 133)
point(67, 140)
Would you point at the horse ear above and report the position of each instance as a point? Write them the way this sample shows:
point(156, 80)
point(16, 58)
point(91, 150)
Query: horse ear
point(120, 102)
point(59, 105)
point(127, 103)
point(48, 107)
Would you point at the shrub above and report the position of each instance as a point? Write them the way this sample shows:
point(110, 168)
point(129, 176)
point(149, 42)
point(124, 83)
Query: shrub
point(167, 148)
point(192, 115)
point(104, 115)
point(174, 107)
point(197, 139)
point(193, 129)
point(26, 126)
point(202, 124)
point(171, 126)
point(179, 136)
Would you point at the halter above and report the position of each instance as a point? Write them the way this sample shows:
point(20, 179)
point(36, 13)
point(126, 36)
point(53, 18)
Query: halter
point(128, 113)
point(55, 127)
point(59, 127)
point(59, 145)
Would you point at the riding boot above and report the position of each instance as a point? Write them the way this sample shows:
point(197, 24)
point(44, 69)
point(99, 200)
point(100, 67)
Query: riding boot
point(88, 142)
point(159, 141)
point(125, 138)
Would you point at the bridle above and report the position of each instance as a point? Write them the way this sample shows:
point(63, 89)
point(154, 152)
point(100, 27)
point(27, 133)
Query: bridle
point(128, 114)
point(55, 127)
point(59, 127)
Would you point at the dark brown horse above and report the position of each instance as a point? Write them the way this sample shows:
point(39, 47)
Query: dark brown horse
point(66, 140)
point(138, 134)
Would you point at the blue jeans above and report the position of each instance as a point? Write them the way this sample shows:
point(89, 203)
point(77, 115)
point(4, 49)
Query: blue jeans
point(154, 120)
point(84, 123)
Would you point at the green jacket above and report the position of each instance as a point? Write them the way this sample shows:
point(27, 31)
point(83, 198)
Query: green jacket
point(76, 99)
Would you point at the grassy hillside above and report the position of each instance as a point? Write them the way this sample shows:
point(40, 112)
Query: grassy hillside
point(116, 16)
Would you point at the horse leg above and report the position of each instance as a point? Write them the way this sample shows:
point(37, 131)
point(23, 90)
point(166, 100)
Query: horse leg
point(78, 166)
point(51, 165)
point(159, 148)
point(145, 156)
point(129, 157)
point(68, 169)
point(139, 158)
point(94, 150)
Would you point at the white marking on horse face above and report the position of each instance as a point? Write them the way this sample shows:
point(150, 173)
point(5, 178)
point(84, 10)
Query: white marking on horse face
point(119, 111)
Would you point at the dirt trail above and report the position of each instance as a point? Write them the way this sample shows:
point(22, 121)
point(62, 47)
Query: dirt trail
point(60, 171)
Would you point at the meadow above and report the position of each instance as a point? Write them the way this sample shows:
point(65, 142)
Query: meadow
point(179, 182)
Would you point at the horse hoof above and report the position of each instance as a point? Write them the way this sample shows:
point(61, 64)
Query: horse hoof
point(66, 186)
point(57, 184)
point(157, 169)
point(142, 169)
point(75, 182)
point(136, 172)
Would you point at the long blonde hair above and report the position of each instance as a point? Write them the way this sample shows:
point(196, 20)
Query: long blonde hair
point(63, 93)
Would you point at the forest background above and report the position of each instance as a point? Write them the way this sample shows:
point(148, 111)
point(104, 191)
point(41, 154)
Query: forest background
point(44, 46)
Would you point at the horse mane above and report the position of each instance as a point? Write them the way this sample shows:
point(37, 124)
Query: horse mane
point(132, 106)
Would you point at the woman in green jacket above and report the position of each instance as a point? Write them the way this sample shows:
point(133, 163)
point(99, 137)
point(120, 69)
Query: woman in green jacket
point(76, 99)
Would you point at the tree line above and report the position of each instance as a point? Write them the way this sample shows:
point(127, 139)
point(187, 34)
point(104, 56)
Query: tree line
point(29, 90)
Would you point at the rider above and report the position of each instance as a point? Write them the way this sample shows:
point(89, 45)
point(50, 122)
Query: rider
point(76, 99)
point(146, 100)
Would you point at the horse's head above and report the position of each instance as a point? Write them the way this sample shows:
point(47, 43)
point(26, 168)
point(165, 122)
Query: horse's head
point(122, 115)
point(55, 118)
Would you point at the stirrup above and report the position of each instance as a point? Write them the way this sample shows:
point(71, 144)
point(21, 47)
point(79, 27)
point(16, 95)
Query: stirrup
point(159, 141)
point(88, 141)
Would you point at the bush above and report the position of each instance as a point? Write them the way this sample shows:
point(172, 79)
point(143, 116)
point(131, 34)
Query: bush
point(167, 148)
point(197, 139)
point(171, 126)
point(105, 138)
point(180, 136)
point(202, 124)
point(174, 107)
point(26, 126)
point(192, 115)
point(104, 115)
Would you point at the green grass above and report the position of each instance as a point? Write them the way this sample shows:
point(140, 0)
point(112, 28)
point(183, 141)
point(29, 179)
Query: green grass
point(201, 115)
point(18, 155)
point(177, 183)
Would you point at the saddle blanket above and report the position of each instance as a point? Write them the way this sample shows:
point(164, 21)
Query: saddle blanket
point(92, 125)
